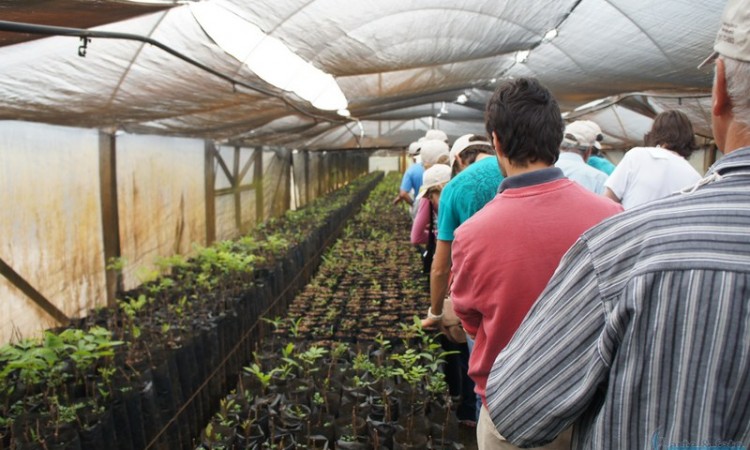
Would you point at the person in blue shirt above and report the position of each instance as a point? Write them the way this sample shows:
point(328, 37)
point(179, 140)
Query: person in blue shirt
point(412, 179)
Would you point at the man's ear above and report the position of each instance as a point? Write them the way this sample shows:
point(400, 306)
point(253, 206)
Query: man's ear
point(721, 102)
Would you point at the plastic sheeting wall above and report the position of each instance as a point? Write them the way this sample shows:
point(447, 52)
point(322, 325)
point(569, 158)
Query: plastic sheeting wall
point(161, 201)
point(52, 203)
point(317, 173)
point(51, 222)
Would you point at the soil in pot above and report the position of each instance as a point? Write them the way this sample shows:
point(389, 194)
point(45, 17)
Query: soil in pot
point(409, 440)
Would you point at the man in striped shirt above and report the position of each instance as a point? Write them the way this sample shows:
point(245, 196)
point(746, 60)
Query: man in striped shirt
point(641, 340)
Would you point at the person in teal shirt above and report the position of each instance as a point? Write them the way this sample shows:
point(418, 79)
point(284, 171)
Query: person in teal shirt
point(466, 193)
point(599, 162)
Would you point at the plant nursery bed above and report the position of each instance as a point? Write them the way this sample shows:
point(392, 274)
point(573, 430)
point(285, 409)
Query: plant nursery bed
point(150, 372)
point(349, 366)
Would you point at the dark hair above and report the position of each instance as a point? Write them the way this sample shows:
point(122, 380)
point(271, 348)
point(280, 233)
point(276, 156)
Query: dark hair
point(483, 145)
point(469, 155)
point(526, 119)
point(672, 130)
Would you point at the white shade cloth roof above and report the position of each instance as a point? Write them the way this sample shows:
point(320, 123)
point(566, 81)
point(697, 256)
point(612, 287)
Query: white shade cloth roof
point(401, 65)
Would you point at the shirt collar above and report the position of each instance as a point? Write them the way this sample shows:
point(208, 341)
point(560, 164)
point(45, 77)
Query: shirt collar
point(531, 178)
point(738, 159)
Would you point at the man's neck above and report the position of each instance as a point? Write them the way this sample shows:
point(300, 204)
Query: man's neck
point(514, 170)
point(737, 136)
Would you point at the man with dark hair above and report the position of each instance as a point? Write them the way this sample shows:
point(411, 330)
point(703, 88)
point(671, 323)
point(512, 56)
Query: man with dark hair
point(505, 254)
point(649, 173)
point(641, 340)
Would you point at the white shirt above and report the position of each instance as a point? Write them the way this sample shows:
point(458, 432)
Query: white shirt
point(646, 174)
point(576, 169)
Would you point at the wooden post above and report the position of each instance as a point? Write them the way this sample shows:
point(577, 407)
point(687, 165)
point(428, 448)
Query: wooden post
point(210, 183)
point(307, 177)
point(288, 180)
point(258, 182)
point(709, 157)
point(237, 193)
point(110, 214)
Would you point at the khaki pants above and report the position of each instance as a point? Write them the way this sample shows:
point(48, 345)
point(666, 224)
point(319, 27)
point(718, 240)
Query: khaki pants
point(488, 438)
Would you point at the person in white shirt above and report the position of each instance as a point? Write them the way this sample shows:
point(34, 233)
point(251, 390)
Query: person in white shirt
point(649, 173)
point(578, 142)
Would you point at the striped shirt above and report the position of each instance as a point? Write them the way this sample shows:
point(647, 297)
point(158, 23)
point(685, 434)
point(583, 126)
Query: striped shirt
point(642, 337)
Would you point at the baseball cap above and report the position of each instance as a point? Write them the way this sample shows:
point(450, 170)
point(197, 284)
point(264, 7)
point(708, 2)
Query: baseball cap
point(465, 142)
point(437, 135)
point(414, 148)
point(434, 176)
point(582, 133)
point(432, 150)
point(733, 38)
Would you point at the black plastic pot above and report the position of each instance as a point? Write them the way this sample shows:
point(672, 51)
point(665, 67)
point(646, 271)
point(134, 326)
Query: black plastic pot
point(409, 440)
point(97, 431)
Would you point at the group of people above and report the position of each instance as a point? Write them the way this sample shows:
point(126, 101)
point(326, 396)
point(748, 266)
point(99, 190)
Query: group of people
point(599, 307)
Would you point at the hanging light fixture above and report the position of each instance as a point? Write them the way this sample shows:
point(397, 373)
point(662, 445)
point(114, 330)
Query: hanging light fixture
point(551, 34)
point(268, 57)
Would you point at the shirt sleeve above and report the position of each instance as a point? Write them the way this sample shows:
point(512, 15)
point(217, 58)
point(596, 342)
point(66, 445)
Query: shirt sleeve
point(406, 181)
point(448, 219)
point(419, 229)
point(618, 180)
point(554, 367)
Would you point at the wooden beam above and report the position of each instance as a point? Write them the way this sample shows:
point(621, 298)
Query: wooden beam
point(210, 183)
point(110, 213)
point(307, 177)
point(223, 165)
point(29, 290)
point(288, 182)
point(231, 190)
point(245, 170)
point(258, 182)
point(237, 194)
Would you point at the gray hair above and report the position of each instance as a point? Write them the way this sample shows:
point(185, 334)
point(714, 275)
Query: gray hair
point(737, 75)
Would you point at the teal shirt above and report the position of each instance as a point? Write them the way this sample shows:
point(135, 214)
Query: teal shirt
point(597, 162)
point(466, 194)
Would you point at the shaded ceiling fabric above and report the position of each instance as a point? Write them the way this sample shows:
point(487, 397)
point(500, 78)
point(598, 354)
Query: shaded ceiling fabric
point(401, 64)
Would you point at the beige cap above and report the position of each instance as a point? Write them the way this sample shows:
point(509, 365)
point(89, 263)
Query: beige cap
point(462, 144)
point(434, 176)
point(437, 135)
point(581, 133)
point(432, 150)
point(733, 38)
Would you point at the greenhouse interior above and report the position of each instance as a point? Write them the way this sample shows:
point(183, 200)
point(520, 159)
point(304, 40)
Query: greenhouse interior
point(213, 257)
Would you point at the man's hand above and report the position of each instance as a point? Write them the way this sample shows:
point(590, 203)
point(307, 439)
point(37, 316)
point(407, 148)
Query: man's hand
point(403, 196)
point(430, 324)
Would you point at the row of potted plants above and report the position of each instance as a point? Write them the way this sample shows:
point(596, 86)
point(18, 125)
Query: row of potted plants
point(321, 395)
point(367, 283)
point(150, 372)
point(349, 367)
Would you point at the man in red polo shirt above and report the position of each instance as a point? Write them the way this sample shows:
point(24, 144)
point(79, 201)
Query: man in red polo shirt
point(505, 254)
